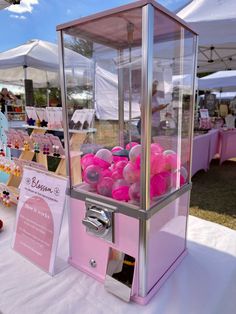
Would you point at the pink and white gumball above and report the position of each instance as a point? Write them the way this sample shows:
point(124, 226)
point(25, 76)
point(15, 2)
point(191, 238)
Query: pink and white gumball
point(103, 158)
point(156, 148)
point(104, 187)
point(120, 190)
point(117, 171)
point(174, 177)
point(131, 173)
point(87, 160)
point(131, 145)
point(135, 152)
point(134, 192)
point(106, 173)
point(118, 158)
point(171, 160)
point(92, 175)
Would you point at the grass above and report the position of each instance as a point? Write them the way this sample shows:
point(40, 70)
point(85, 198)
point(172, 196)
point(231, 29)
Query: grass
point(213, 194)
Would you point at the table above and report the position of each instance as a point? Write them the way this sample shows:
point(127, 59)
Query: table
point(205, 147)
point(227, 144)
point(204, 283)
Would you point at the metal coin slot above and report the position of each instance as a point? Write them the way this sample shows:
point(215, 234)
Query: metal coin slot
point(98, 221)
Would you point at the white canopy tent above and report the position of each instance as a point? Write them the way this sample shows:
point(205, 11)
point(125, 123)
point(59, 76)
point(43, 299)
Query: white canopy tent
point(222, 81)
point(4, 4)
point(38, 60)
point(215, 22)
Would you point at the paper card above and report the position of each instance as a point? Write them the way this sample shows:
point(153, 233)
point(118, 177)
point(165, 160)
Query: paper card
point(204, 113)
point(57, 142)
point(31, 113)
point(39, 217)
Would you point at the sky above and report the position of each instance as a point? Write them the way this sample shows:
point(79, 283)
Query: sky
point(37, 19)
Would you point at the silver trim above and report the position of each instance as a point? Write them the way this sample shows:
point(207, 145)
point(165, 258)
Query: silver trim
point(193, 102)
point(146, 111)
point(63, 99)
point(192, 121)
point(121, 98)
point(129, 209)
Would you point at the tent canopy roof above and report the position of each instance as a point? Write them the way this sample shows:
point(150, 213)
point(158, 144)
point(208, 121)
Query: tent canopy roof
point(39, 54)
point(222, 80)
point(215, 22)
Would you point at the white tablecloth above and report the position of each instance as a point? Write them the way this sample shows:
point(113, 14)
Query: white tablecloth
point(204, 283)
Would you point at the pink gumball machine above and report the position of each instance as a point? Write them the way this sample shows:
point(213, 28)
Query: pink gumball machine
point(128, 215)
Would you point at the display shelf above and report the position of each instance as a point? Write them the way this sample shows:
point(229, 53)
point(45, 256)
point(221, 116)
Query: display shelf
point(90, 130)
point(16, 112)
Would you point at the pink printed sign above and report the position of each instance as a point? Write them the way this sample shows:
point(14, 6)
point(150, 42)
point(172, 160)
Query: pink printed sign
point(39, 216)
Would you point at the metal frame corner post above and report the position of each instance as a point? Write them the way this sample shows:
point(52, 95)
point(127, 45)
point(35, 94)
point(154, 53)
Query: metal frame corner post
point(146, 110)
point(63, 99)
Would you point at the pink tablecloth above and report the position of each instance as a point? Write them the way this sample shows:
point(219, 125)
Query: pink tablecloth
point(205, 147)
point(201, 145)
point(227, 144)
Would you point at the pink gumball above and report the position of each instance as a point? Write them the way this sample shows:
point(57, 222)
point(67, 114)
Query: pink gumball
point(106, 173)
point(158, 163)
point(103, 158)
point(116, 149)
point(87, 160)
point(134, 192)
point(117, 172)
point(130, 145)
point(105, 187)
point(131, 173)
point(174, 180)
point(118, 158)
point(135, 152)
point(92, 174)
point(158, 184)
point(120, 190)
point(156, 148)
point(168, 176)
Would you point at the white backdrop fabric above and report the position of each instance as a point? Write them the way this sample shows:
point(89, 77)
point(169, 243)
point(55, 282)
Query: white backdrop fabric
point(204, 283)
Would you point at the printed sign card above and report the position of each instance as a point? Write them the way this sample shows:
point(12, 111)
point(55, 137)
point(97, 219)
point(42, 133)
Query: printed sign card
point(39, 217)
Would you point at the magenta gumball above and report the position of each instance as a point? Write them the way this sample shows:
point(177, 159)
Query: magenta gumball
point(120, 190)
point(92, 175)
point(87, 160)
point(134, 153)
point(159, 185)
point(131, 145)
point(174, 180)
point(105, 187)
point(156, 148)
point(106, 173)
point(158, 163)
point(117, 172)
point(131, 173)
point(103, 158)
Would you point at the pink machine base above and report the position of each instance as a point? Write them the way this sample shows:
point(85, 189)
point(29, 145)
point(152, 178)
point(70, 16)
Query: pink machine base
point(166, 244)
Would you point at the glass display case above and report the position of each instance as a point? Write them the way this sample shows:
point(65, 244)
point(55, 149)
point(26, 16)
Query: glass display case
point(133, 136)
